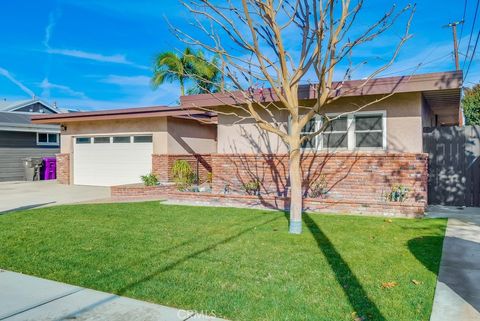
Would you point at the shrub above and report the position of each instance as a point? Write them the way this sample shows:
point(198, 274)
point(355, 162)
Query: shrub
point(209, 178)
point(252, 187)
point(398, 193)
point(149, 180)
point(319, 189)
point(182, 174)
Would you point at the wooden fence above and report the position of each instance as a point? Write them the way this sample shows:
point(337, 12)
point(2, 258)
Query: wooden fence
point(454, 165)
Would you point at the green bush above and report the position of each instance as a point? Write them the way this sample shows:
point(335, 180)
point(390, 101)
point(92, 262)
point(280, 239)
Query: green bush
point(399, 193)
point(252, 187)
point(320, 188)
point(183, 175)
point(149, 180)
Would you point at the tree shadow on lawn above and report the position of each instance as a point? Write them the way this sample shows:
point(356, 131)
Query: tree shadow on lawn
point(428, 251)
point(351, 286)
point(458, 271)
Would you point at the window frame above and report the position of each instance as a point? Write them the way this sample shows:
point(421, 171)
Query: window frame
point(349, 125)
point(382, 113)
point(48, 143)
point(351, 132)
point(86, 137)
point(318, 121)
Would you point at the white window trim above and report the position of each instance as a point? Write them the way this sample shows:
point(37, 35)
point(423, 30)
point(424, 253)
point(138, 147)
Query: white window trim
point(48, 143)
point(349, 124)
point(384, 129)
point(350, 132)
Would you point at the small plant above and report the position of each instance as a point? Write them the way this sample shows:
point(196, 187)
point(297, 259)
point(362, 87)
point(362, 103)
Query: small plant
point(320, 188)
point(149, 180)
point(252, 187)
point(209, 179)
point(183, 175)
point(398, 193)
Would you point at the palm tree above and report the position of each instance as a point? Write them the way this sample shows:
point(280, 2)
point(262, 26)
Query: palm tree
point(191, 65)
point(207, 75)
point(170, 67)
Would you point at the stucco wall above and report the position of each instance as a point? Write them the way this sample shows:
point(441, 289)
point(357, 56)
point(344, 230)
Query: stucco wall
point(170, 135)
point(404, 126)
point(155, 126)
point(191, 137)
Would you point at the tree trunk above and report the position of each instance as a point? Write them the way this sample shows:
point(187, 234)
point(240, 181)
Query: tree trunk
point(296, 195)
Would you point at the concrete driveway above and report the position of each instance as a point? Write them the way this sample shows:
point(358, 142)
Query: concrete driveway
point(27, 195)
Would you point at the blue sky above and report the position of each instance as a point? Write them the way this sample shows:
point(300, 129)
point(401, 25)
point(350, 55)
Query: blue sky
point(97, 54)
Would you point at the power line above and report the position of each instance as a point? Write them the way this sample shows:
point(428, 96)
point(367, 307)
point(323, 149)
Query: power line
point(463, 20)
point(471, 33)
point(473, 55)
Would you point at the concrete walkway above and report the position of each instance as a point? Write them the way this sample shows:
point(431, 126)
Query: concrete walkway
point(27, 298)
point(457, 296)
point(16, 196)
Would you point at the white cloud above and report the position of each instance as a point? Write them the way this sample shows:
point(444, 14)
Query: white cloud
point(126, 80)
point(9, 76)
point(117, 59)
point(47, 86)
point(52, 21)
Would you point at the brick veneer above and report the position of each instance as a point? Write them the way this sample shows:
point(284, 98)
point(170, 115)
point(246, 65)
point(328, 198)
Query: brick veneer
point(162, 165)
point(140, 192)
point(356, 183)
point(63, 168)
point(353, 177)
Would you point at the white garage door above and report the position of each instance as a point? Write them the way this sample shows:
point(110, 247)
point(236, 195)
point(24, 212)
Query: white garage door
point(111, 160)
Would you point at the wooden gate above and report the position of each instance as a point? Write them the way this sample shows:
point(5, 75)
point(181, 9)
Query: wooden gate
point(454, 165)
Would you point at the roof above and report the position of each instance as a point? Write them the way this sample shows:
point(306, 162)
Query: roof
point(7, 105)
point(444, 89)
point(129, 113)
point(377, 86)
point(11, 121)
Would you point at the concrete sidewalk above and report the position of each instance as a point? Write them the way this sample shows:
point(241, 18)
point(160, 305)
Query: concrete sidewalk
point(24, 297)
point(457, 295)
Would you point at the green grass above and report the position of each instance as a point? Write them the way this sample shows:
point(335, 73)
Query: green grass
point(234, 263)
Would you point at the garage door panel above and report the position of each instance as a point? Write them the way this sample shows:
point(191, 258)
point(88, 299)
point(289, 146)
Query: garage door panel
point(111, 164)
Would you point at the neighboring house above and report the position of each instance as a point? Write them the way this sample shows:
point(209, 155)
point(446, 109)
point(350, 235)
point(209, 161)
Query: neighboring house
point(20, 139)
point(31, 106)
point(118, 146)
point(352, 167)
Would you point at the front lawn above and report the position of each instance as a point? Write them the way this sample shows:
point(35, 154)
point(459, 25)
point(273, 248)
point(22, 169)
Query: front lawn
point(235, 263)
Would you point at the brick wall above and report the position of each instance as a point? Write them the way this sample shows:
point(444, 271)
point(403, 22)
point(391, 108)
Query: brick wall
point(63, 169)
point(162, 165)
point(170, 193)
point(358, 178)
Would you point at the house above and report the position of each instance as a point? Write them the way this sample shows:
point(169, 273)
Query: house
point(19, 138)
point(116, 147)
point(354, 166)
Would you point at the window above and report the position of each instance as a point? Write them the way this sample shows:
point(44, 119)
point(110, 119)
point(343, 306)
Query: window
point(101, 140)
point(363, 130)
point(83, 140)
point(369, 131)
point(311, 127)
point(121, 139)
point(336, 134)
point(50, 139)
point(143, 139)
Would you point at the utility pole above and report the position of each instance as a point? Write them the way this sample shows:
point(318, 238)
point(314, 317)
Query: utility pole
point(454, 25)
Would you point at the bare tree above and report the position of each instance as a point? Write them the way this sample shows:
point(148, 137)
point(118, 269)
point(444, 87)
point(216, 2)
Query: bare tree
point(281, 44)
